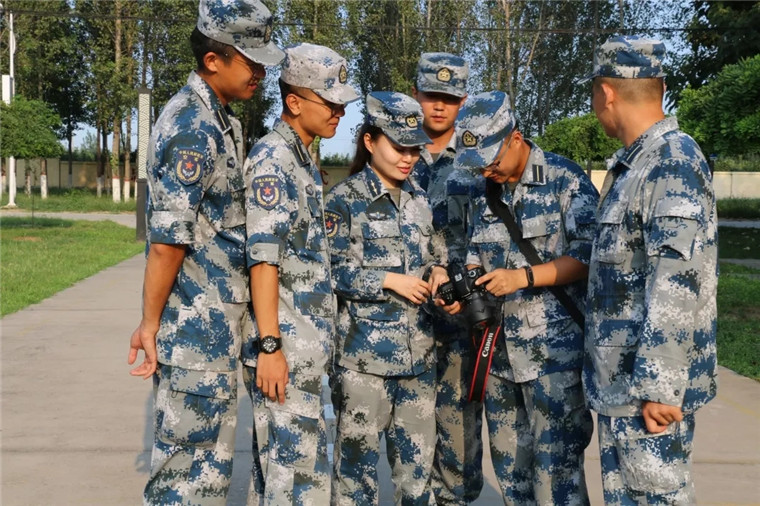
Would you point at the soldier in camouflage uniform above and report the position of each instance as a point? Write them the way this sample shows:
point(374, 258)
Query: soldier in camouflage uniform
point(441, 89)
point(293, 303)
point(650, 331)
point(538, 424)
point(195, 293)
point(384, 256)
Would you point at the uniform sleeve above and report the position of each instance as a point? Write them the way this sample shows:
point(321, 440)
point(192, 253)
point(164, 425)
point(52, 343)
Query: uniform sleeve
point(676, 218)
point(350, 279)
point(177, 186)
point(271, 205)
point(579, 216)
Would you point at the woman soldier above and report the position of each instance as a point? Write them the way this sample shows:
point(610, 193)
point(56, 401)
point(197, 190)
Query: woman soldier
point(385, 265)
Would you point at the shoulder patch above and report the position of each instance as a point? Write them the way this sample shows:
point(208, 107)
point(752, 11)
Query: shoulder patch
point(267, 191)
point(332, 223)
point(188, 165)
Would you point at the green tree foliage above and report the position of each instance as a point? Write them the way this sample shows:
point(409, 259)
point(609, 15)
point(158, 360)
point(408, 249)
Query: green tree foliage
point(722, 33)
point(723, 116)
point(580, 138)
point(28, 129)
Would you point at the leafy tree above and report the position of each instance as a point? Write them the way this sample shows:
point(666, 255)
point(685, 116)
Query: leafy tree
point(580, 138)
point(723, 115)
point(28, 129)
point(722, 33)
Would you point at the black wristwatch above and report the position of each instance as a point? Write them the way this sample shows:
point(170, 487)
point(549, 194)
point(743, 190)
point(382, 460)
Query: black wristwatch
point(269, 344)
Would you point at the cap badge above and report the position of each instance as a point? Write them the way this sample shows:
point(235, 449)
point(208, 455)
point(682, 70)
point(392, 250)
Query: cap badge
point(268, 32)
point(444, 75)
point(411, 121)
point(469, 140)
point(342, 74)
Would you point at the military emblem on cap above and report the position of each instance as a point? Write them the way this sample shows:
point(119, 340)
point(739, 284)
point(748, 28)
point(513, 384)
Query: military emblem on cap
point(411, 121)
point(483, 125)
point(319, 69)
point(268, 32)
point(343, 74)
point(398, 116)
point(444, 75)
point(267, 191)
point(469, 140)
point(189, 166)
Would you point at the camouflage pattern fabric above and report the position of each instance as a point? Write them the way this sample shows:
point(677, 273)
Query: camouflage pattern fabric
point(482, 127)
point(641, 468)
point(401, 407)
point(554, 205)
point(651, 324)
point(379, 331)
point(195, 188)
point(286, 227)
point(650, 330)
point(628, 57)
point(399, 116)
point(457, 473)
point(442, 73)
point(320, 69)
point(538, 431)
point(290, 464)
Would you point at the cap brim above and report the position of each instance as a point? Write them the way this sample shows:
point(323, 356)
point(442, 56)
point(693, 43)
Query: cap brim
point(340, 94)
point(268, 55)
point(411, 138)
point(475, 159)
point(446, 90)
point(584, 80)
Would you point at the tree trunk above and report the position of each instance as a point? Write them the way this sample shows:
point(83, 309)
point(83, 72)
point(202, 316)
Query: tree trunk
point(114, 158)
point(43, 178)
point(127, 156)
point(27, 178)
point(71, 162)
point(2, 177)
point(99, 156)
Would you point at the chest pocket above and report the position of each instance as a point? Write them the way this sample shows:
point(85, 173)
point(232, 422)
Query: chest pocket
point(610, 243)
point(315, 236)
point(382, 244)
point(675, 224)
point(234, 214)
point(490, 229)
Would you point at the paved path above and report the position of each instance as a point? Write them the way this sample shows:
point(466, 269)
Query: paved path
point(76, 428)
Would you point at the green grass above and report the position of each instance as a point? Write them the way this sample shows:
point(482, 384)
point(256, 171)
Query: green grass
point(74, 200)
point(739, 209)
point(739, 319)
point(42, 259)
point(738, 242)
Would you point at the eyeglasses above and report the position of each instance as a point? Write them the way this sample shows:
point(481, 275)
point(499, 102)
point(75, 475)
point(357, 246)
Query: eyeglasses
point(335, 109)
point(254, 67)
point(496, 163)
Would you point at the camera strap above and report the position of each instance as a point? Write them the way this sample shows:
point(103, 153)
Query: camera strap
point(483, 361)
point(500, 209)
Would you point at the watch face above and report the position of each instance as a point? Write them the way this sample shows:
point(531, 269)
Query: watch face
point(269, 345)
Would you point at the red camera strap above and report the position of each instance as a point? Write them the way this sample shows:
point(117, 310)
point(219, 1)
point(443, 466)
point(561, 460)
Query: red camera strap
point(483, 362)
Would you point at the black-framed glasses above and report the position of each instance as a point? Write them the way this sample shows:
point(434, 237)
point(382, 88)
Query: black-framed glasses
point(335, 109)
point(253, 66)
point(496, 163)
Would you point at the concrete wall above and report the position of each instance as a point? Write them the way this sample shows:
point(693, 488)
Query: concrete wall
point(727, 184)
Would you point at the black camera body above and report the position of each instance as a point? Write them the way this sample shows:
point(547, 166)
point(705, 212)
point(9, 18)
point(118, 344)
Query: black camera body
point(461, 287)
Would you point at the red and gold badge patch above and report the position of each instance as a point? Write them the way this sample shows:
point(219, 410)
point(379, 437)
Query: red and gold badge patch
point(266, 191)
point(332, 223)
point(189, 166)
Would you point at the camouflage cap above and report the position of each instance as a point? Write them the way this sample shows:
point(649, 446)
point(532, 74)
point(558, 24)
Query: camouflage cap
point(482, 125)
point(629, 57)
point(399, 116)
point(442, 73)
point(244, 24)
point(319, 69)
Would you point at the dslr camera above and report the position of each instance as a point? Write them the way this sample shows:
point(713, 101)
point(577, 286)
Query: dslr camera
point(461, 287)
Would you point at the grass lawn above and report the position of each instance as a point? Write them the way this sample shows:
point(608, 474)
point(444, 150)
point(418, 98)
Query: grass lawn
point(74, 200)
point(739, 319)
point(38, 261)
point(740, 209)
point(739, 243)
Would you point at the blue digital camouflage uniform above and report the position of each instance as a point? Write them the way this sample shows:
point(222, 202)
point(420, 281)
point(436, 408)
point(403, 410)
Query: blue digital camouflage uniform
point(457, 467)
point(195, 185)
point(650, 329)
point(385, 356)
point(286, 227)
point(538, 424)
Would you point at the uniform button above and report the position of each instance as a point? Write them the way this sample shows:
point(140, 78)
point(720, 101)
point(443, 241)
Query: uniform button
point(677, 392)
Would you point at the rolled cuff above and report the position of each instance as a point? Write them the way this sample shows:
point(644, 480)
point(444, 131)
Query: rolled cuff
point(170, 227)
point(258, 252)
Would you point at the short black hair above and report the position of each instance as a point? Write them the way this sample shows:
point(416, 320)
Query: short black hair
point(201, 44)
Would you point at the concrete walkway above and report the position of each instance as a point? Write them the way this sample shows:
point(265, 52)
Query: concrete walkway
point(76, 428)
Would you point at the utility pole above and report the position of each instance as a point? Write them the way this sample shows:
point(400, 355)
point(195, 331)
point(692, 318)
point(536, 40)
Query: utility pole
point(9, 89)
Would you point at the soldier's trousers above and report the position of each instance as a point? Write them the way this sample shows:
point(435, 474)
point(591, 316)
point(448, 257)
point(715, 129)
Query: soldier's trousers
point(457, 476)
point(640, 468)
point(403, 408)
point(290, 465)
point(194, 437)
point(538, 431)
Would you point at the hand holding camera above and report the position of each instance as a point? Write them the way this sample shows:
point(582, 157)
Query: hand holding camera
point(462, 288)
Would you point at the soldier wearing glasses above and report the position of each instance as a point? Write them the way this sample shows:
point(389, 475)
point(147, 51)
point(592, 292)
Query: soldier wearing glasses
point(195, 292)
point(291, 289)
